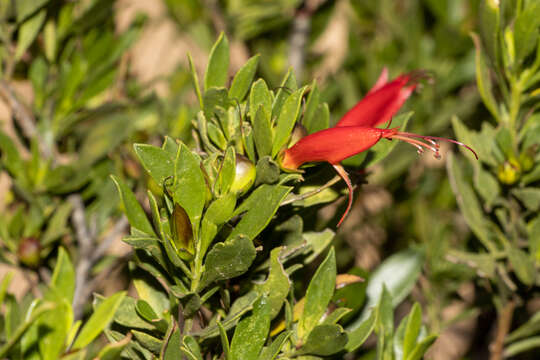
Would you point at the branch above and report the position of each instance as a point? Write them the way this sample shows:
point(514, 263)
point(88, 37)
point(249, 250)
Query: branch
point(88, 254)
point(503, 326)
point(24, 118)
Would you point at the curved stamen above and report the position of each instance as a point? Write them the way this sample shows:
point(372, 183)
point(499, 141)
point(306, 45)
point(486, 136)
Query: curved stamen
point(432, 139)
point(415, 142)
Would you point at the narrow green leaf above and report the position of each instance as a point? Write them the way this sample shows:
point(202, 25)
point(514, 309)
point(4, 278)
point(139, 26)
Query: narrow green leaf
point(489, 15)
point(359, 335)
point(483, 79)
point(276, 287)
point(262, 132)
point(526, 27)
point(256, 217)
point(189, 184)
point(325, 340)
point(158, 162)
point(318, 295)
point(133, 210)
point(172, 350)
point(259, 96)
point(272, 351)
point(523, 265)
point(113, 350)
point(251, 332)
point(287, 87)
point(412, 329)
point(530, 197)
point(286, 120)
point(63, 278)
point(28, 31)
point(312, 104)
point(224, 340)
point(468, 203)
point(422, 347)
point(218, 64)
point(99, 320)
point(243, 78)
point(195, 80)
point(227, 172)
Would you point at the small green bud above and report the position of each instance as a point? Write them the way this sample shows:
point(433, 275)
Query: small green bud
point(182, 233)
point(28, 251)
point(526, 158)
point(509, 172)
point(244, 176)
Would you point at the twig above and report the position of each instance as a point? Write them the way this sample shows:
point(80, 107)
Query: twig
point(503, 326)
point(24, 118)
point(84, 285)
point(85, 254)
point(298, 38)
point(117, 229)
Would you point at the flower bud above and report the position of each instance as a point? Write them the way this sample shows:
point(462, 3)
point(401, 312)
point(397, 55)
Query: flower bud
point(28, 251)
point(526, 158)
point(182, 233)
point(509, 172)
point(244, 176)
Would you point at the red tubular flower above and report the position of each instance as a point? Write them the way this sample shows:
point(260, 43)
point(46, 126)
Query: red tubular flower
point(356, 131)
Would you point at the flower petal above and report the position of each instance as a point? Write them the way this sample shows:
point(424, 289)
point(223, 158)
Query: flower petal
point(331, 145)
point(381, 103)
point(381, 81)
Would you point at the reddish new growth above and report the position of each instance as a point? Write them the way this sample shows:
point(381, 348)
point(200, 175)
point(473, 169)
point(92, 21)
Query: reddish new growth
point(356, 131)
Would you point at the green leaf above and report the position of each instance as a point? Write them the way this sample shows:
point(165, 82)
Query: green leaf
point(113, 350)
point(309, 120)
point(412, 330)
point(218, 64)
point(421, 348)
point(530, 197)
point(133, 210)
point(227, 172)
point(487, 185)
point(287, 87)
point(172, 351)
point(99, 320)
point(483, 79)
point(523, 265)
point(191, 348)
point(189, 185)
point(224, 340)
point(385, 324)
point(216, 135)
point(526, 30)
point(25, 8)
point(398, 273)
point(267, 171)
point(256, 217)
point(468, 203)
point(522, 346)
point(243, 78)
point(63, 278)
point(57, 225)
point(489, 15)
point(262, 132)
point(195, 80)
point(318, 295)
point(359, 335)
point(126, 315)
point(148, 341)
point(218, 213)
point(325, 340)
point(28, 31)
point(251, 332)
point(276, 287)
point(57, 322)
point(272, 351)
point(531, 327)
point(10, 156)
point(228, 259)
point(259, 96)
point(158, 162)
point(286, 119)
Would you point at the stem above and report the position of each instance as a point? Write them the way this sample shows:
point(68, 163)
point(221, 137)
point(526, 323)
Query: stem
point(311, 193)
point(515, 103)
point(22, 329)
point(503, 326)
